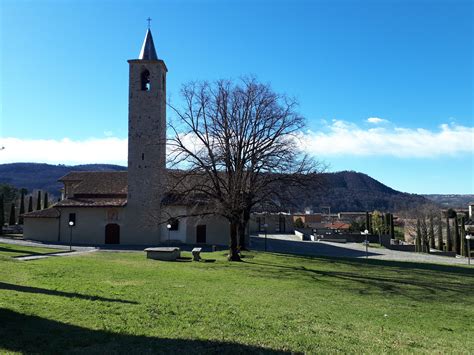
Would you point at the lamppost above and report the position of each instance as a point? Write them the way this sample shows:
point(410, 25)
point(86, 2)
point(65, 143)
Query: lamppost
point(468, 241)
point(265, 226)
point(366, 243)
point(169, 228)
point(71, 224)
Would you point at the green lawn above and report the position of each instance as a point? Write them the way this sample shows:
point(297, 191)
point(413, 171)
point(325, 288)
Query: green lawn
point(121, 302)
point(12, 250)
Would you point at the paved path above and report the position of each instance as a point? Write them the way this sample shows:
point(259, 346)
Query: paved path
point(287, 243)
point(63, 250)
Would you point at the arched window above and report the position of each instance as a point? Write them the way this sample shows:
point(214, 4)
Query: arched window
point(145, 80)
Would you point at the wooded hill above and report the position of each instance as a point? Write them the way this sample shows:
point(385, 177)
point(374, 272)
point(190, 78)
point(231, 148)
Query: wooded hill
point(342, 191)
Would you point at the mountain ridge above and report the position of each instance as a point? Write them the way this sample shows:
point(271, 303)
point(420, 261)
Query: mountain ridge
point(343, 191)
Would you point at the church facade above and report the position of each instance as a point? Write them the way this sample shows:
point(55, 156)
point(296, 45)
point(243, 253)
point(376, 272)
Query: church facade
point(129, 208)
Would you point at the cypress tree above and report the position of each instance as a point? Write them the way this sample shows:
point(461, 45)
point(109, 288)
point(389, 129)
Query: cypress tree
point(432, 234)
point(38, 201)
point(367, 221)
point(440, 234)
point(46, 202)
point(12, 219)
point(2, 214)
point(463, 240)
point(392, 227)
point(22, 207)
point(30, 204)
point(371, 230)
point(424, 237)
point(449, 242)
point(457, 242)
point(418, 236)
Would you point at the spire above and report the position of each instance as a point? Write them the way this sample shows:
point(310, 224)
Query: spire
point(148, 51)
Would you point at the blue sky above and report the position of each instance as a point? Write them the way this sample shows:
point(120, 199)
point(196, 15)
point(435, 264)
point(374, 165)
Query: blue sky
point(386, 86)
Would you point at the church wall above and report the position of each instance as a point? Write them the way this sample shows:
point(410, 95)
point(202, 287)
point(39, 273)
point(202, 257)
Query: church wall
point(42, 229)
point(217, 230)
point(90, 224)
point(173, 212)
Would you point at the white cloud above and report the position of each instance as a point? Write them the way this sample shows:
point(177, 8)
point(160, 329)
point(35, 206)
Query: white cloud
point(339, 138)
point(65, 151)
point(347, 139)
point(376, 120)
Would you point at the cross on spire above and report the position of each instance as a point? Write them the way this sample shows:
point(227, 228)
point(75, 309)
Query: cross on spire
point(149, 20)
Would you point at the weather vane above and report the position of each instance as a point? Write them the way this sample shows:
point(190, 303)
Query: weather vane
point(149, 20)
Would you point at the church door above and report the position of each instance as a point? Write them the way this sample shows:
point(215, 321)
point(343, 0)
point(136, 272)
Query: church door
point(201, 233)
point(112, 234)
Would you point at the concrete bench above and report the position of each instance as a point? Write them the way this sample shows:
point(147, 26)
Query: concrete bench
point(163, 253)
point(196, 254)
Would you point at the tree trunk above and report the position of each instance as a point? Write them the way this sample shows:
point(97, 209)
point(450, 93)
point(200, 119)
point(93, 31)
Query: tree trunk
point(233, 250)
point(242, 230)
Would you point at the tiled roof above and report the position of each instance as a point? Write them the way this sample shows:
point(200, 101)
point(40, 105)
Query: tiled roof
point(46, 213)
point(98, 182)
point(92, 202)
point(337, 225)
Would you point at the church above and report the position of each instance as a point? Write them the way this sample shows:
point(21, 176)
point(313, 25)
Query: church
point(131, 207)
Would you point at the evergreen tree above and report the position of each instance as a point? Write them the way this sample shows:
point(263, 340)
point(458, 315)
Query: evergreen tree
point(418, 236)
point(30, 204)
point(46, 202)
point(431, 233)
point(371, 231)
point(12, 219)
point(2, 214)
point(392, 227)
point(38, 201)
point(462, 229)
point(424, 236)
point(440, 234)
point(457, 242)
point(367, 220)
point(449, 242)
point(22, 206)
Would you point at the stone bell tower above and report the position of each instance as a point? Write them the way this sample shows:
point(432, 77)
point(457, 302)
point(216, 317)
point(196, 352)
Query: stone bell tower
point(146, 144)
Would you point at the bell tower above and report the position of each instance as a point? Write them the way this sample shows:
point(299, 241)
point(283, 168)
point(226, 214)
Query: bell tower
point(146, 143)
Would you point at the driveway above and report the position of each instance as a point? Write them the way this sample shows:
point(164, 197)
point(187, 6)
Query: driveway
point(290, 244)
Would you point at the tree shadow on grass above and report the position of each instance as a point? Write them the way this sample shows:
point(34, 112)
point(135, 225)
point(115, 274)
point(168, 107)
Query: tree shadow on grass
point(401, 265)
point(393, 282)
point(44, 291)
point(32, 334)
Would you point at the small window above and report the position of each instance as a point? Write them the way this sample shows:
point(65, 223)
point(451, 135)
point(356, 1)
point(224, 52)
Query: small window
point(143, 156)
point(174, 223)
point(145, 80)
point(72, 219)
point(164, 82)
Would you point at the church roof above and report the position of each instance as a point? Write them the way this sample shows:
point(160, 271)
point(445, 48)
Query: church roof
point(97, 182)
point(148, 51)
point(92, 202)
point(46, 213)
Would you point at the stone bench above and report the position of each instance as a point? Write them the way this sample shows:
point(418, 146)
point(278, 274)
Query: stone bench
point(163, 253)
point(196, 254)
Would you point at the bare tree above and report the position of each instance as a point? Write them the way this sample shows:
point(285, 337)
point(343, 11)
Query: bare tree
point(238, 146)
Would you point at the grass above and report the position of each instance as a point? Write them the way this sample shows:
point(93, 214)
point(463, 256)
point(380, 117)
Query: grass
point(107, 302)
point(12, 250)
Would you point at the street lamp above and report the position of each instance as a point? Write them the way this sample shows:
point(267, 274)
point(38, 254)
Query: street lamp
point(468, 240)
point(169, 228)
point(71, 224)
point(265, 226)
point(366, 243)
